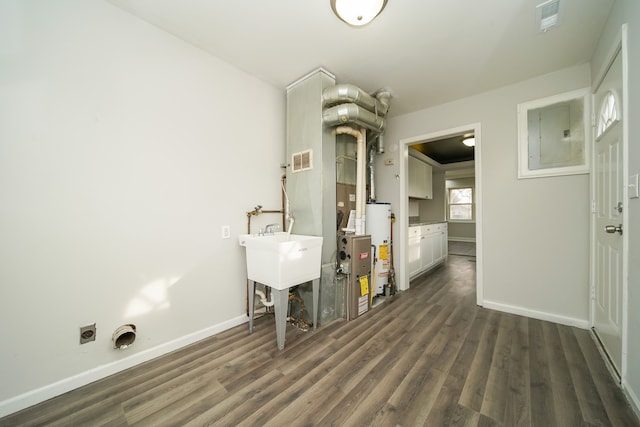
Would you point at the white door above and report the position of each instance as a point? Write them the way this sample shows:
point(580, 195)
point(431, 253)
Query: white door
point(610, 209)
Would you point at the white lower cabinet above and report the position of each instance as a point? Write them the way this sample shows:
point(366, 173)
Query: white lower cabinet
point(413, 258)
point(440, 246)
point(427, 247)
point(426, 251)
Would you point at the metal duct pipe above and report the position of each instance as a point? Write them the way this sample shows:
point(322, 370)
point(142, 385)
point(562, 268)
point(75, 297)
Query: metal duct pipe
point(347, 93)
point(384, 98)
point(352, 113)
point(372, 185)
point(361, 164)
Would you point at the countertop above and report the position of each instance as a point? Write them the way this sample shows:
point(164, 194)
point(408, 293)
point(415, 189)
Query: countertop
point(417, 224)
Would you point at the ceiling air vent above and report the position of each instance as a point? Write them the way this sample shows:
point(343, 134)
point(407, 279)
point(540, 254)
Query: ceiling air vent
point(302, 161)
point(547, 14)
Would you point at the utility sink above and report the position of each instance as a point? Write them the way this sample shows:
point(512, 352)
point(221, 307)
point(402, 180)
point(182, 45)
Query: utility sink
point(282, 260)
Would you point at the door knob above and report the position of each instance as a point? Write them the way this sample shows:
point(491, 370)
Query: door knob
point(613, 229)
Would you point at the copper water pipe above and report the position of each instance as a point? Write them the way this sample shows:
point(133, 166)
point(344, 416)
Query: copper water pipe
point(257, 212)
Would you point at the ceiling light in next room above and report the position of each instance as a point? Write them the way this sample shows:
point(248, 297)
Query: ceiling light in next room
point(547, 14)
point(469, 141)
point(357, 12)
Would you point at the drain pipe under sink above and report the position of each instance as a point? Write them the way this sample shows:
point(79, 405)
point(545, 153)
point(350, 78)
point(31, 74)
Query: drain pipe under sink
point(263, 298)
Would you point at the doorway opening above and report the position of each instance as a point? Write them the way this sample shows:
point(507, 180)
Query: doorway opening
point(472, 167)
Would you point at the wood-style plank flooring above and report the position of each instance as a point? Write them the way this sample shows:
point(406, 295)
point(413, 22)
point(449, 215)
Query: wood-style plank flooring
point(428, 356)
point(462, 248)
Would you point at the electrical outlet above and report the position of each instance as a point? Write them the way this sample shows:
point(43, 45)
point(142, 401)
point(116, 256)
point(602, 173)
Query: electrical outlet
point(87, 333)
point(226, 232)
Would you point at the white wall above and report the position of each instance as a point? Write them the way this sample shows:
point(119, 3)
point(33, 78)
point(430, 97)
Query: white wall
point(434, 209)
point(536, 231)
point(123, 151)
point(628, 11)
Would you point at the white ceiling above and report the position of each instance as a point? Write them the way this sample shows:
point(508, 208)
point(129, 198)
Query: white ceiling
point(426, 52)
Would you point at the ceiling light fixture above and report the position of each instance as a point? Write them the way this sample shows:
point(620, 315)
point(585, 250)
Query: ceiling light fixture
point(469, 141)
point(357, 12)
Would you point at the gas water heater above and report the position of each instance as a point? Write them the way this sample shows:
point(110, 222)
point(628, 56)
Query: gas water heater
point(378, 226)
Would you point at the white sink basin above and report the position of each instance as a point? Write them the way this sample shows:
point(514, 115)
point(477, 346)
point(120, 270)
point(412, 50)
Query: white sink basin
point(282, 260)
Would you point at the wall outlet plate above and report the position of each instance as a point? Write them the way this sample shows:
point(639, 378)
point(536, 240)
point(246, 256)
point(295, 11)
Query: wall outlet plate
point(226, 232)
point(87, 333)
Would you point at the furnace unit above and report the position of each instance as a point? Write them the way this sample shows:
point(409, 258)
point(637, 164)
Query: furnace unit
point(354, 255)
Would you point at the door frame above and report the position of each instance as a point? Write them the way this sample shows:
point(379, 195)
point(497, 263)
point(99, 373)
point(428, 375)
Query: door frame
point(619, 46)
point(404, 198)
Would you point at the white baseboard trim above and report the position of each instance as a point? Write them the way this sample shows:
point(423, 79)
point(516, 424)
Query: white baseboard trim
point(534, 314)
point(462, 239)
point(631, 397)
point(41, 394)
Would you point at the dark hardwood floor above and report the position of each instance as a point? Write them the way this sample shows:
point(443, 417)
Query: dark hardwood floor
point(428, 356)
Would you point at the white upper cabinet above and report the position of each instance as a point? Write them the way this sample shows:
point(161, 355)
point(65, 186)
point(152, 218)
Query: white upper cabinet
point(420, 182)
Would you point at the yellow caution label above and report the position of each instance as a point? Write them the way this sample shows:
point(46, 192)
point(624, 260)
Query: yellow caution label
point(384, 252)
point(364, 285)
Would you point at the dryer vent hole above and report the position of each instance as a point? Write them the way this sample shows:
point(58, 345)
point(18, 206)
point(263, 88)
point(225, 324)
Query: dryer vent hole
point(125, 340)
point(124, 336)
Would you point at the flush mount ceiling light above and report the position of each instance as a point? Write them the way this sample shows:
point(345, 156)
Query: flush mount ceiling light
point(357, 12)
point(469, 141)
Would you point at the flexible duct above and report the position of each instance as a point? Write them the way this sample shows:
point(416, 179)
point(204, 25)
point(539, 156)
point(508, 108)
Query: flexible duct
point(361, 164)
point(352, 113)
point(347, 93)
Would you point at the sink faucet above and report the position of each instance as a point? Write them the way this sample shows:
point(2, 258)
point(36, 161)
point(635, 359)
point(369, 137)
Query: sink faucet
point(270, 227)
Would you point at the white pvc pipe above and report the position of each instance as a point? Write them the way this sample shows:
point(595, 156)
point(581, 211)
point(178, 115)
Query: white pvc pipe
point(263, 299)
point(361, 166)
point(287, 210)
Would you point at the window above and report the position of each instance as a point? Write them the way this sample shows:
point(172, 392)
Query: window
point(608, 112)
point(461, 204)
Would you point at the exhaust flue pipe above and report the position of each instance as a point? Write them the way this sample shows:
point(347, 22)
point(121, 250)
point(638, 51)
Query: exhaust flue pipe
point(381, 143)
point(372, 185)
